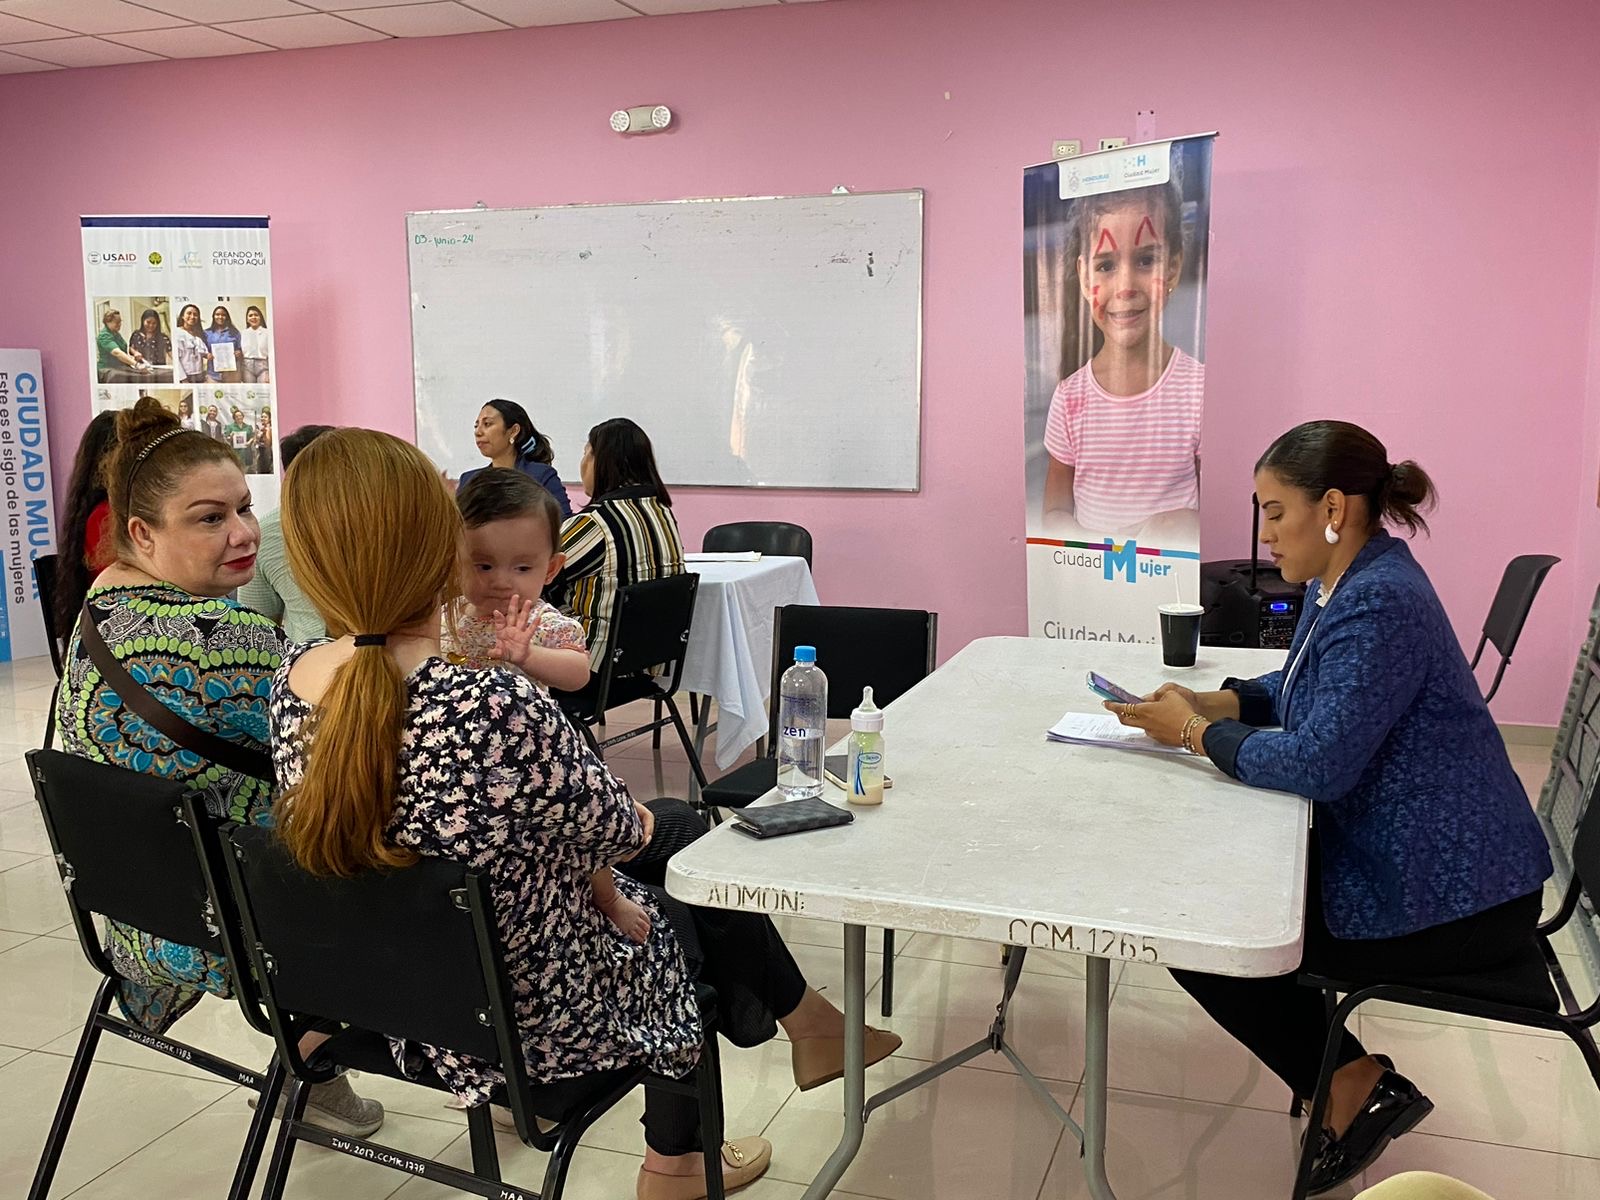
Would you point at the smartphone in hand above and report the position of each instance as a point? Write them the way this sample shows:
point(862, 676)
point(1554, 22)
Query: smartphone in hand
point(1103, 687)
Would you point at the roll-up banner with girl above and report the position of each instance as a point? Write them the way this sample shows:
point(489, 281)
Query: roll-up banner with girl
point(180, 308)
point(1114, 299)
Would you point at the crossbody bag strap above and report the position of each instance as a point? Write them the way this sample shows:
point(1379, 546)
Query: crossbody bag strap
point(176, 729)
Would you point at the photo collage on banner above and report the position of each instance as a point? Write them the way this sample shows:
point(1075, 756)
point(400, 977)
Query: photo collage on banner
point(1114, 259)
point(180, 308)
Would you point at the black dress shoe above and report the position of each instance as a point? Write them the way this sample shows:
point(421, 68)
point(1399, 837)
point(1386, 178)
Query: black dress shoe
point(1394, 1107)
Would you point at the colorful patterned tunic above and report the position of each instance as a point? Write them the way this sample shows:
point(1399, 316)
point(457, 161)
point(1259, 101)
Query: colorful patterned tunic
point(211, 662)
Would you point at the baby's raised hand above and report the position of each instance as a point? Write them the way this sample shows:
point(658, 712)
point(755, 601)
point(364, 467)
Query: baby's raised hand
point(513, 634)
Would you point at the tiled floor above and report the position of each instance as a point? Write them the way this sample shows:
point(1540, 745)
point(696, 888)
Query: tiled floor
point(1192, 1116)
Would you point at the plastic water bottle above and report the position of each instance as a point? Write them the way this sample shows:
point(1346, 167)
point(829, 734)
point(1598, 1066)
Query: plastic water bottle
point(802, 726)
point(865, 752)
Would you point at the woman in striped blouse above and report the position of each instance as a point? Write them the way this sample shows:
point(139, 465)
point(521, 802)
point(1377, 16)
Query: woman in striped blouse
point(625, 534)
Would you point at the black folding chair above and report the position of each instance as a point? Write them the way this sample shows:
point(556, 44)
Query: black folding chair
point(649, 636)
point(768, 537)
point(124, 845)
point(44, 582)
point(890, 650)
point(1512, 600)
point(416, 953)
point(1519, 993)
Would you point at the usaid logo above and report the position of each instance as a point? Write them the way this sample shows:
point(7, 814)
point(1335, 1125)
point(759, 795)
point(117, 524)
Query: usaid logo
point(101, 258)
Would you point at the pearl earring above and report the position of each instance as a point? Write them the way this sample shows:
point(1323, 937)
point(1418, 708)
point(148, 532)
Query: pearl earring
point(1330, 534)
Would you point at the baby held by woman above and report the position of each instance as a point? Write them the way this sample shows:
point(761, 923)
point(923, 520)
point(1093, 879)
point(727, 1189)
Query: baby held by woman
point(513, 530)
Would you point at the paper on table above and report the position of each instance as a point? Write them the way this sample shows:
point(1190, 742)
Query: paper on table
point(1103, 729)
point(724, 556)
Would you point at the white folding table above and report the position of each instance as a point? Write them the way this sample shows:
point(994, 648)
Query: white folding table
point(993, 833)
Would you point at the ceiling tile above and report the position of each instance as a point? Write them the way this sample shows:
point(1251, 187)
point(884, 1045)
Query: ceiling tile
point(424, 20)
point(15, 64)
point(296, 33)
point(90, 16)
point(15, 29)
point(192, 41)
point(660, 8)
point(553, 12)
point(211, 12)
point(82, 52)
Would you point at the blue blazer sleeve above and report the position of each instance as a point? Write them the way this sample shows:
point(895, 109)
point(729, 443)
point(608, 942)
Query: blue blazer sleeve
point(1370, 667)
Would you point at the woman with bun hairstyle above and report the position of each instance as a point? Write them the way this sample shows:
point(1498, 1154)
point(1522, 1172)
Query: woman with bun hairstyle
point(1426, 858)
point(184, 538)
point(504, 434)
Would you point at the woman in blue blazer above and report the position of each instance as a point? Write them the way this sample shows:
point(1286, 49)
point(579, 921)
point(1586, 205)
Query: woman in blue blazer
point(1427, 859)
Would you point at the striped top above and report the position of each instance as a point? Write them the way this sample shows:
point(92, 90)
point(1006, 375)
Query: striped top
point(1132, 456)
point(626, 536)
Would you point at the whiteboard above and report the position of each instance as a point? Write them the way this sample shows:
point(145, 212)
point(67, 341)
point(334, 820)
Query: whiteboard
point(772, 342)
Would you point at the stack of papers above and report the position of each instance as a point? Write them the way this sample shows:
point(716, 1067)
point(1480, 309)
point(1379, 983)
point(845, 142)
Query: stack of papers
point(723, 556)
point(1103, 729)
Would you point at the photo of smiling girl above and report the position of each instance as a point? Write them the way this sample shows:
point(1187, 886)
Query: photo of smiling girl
point(1123, 430)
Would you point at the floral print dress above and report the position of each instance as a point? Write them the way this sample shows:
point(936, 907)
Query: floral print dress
point(492, 775)
point(211, 662)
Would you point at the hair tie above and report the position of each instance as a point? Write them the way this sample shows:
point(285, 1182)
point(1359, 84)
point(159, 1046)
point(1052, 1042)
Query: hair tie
point(145, 453)
point(371, 639)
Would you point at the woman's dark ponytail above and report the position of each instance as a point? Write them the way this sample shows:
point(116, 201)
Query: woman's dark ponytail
point(1326, 456)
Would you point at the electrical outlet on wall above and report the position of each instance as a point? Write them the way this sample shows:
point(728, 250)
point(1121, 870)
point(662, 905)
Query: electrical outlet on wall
point(1066, 148)
point(1113, 143)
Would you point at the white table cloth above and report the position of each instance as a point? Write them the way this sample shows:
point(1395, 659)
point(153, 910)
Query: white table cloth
point(993, 832)
point(730, 642)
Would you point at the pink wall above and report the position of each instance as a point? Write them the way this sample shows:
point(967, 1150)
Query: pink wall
point(1404, 234)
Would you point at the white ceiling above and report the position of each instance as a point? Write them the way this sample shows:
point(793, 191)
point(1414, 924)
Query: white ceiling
point(48, 35)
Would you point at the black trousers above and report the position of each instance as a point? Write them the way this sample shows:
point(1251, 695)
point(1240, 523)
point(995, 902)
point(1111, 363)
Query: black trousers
point(739, 954)
point(1285, 1025)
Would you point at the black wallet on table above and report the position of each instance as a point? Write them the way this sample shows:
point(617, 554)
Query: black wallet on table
point(792, 816)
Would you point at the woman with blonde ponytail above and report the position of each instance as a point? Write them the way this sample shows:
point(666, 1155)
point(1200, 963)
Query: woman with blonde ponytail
point(385, 751)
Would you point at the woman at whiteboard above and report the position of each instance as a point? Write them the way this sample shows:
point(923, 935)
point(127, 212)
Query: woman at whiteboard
point(504, 434)
point(625, 534)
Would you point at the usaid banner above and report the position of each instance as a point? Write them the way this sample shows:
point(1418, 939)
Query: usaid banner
point(1114, 258)
point(27, 511)
point(180, 309)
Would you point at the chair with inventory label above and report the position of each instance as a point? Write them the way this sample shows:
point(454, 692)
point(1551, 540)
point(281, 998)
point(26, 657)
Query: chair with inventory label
point(416, 954)
point(890, 650)
point(126, 849)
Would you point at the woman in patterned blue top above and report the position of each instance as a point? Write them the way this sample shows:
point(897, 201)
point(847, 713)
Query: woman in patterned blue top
point(1427, 859)
point(185, 537)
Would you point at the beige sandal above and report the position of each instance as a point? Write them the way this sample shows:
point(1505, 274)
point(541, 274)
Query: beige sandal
point(820, 1060)
point(744, 1160)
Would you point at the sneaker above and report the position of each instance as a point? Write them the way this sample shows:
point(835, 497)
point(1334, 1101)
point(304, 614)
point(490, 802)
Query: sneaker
point(335, 1107)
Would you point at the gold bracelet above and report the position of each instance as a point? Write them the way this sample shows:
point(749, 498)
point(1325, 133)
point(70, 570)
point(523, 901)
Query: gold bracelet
point(1187, 736)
